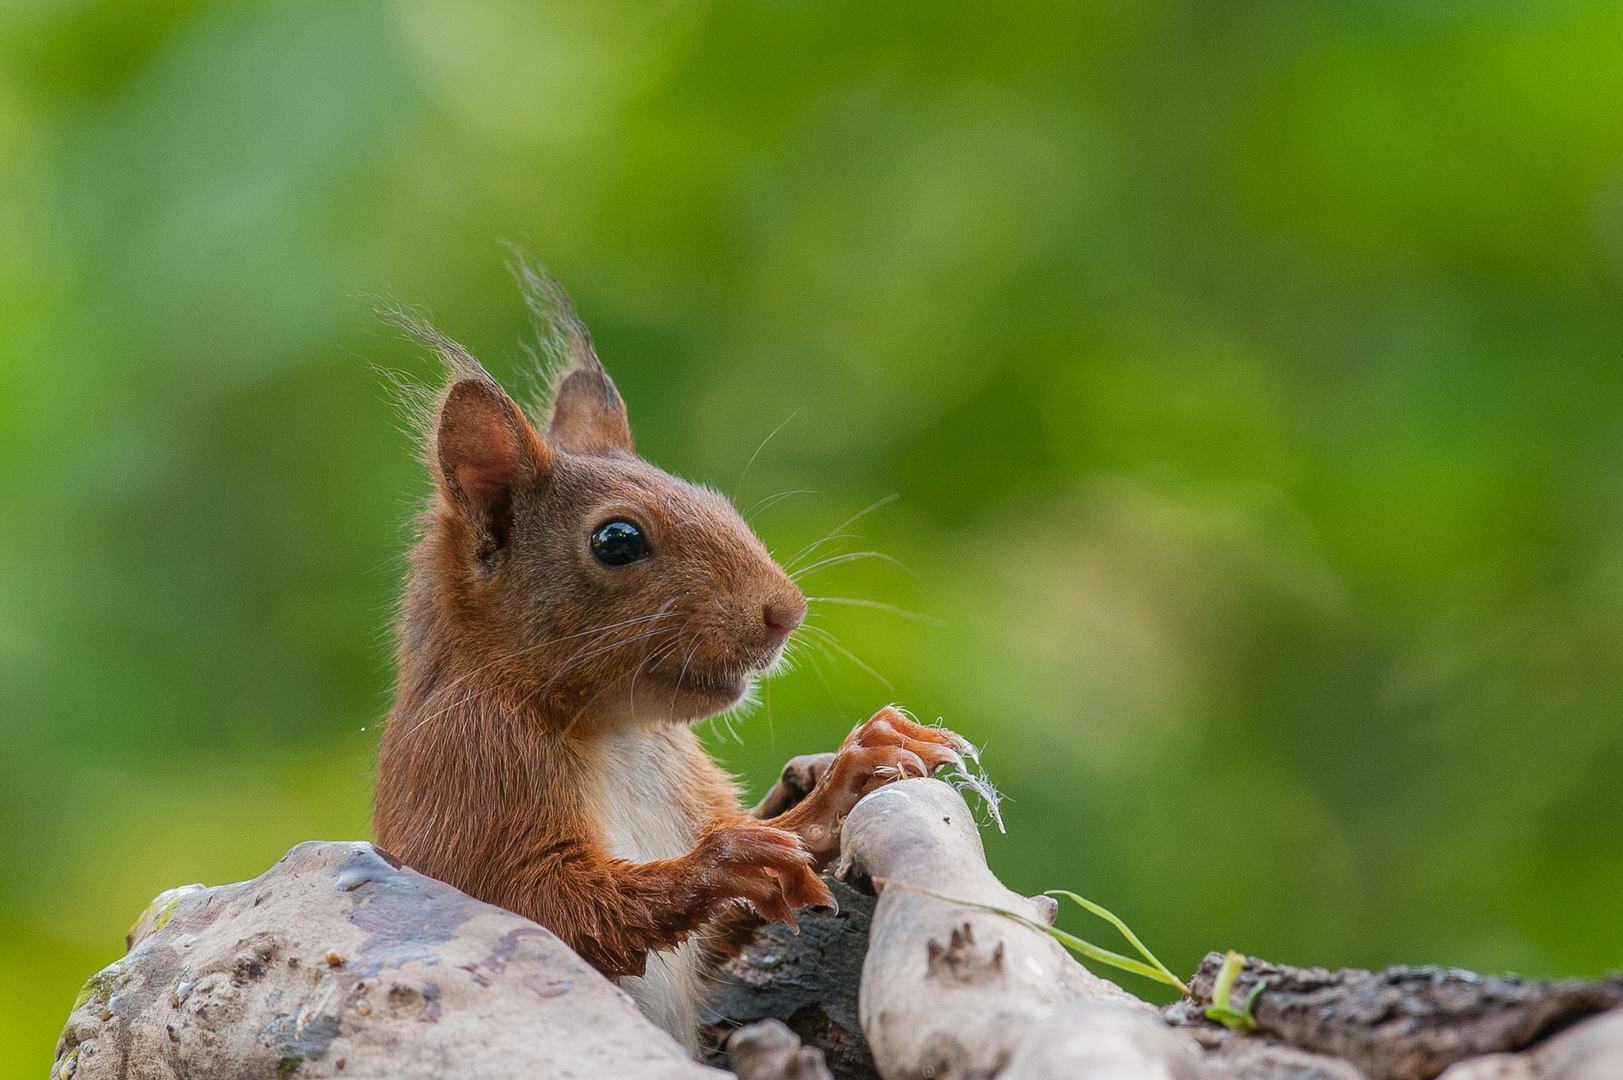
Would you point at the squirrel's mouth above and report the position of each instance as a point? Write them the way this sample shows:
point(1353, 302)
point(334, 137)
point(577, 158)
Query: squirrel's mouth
point(707, 681)
point(730, 687)
point(698, 692)
point(689, 695)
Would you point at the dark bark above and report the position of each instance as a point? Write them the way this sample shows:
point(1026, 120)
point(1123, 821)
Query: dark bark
point(1404, 1023)
point(807, 980)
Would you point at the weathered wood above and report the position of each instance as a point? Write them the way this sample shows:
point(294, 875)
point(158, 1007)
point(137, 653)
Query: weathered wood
point(952, 991)
point(340, 962)
point(1081, 1041)
point(1404, 1023)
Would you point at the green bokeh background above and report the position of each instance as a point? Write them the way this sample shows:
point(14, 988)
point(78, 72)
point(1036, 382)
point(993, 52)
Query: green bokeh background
point(1249, 375)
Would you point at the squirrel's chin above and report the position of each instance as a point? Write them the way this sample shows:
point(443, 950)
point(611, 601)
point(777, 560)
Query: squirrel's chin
point(696, 697)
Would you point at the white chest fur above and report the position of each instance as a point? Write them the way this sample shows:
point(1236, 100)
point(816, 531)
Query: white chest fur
point(643, 815)
point(642, 808)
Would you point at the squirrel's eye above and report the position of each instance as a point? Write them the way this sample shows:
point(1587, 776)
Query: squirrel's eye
point(619, 543)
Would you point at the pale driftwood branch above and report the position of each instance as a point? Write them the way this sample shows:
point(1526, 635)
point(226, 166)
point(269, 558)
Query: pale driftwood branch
point(1081, 1041)
point(338, 962)
point(1233, 1056)
point(953, 991)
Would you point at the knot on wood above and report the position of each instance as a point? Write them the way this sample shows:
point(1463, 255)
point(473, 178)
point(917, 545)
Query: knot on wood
point(961, 960)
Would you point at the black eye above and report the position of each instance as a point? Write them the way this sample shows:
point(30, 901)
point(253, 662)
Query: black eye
point(619, 543)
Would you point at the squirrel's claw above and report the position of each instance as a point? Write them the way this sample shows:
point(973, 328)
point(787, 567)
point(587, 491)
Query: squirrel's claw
point(933, 747)
point(768, 867)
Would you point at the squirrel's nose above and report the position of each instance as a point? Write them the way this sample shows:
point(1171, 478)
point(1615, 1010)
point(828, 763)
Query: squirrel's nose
point(782, 616)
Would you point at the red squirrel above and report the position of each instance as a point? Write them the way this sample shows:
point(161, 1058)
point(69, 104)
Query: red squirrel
point(569, 610)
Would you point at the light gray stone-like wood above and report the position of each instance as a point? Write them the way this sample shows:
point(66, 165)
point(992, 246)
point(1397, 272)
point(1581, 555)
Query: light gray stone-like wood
point(768, 1050)
point(1100, 1042)
point(338, 962)
point(951, 991)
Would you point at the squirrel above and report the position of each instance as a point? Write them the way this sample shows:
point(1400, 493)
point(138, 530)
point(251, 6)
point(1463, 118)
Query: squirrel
point(569, 611)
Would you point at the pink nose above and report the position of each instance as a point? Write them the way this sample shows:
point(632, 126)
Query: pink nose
point(781, 619)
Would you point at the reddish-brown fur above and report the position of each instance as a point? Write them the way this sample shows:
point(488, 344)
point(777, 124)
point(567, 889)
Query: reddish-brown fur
point(527, 670)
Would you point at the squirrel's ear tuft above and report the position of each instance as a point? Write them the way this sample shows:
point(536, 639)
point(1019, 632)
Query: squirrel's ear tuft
point(588, 416)
point(484, 449)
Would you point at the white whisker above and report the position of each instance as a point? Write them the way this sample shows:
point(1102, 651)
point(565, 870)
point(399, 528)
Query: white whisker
point(877, 606)
point(841, 527)
point(853, 556)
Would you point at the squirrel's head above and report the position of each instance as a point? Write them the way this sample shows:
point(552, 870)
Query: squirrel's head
point(569, 571)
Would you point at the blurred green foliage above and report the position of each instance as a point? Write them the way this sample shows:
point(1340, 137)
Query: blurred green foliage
point(1249, 374)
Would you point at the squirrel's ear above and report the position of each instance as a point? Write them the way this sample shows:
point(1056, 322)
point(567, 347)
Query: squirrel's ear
point(588, 416)
point(485, 448)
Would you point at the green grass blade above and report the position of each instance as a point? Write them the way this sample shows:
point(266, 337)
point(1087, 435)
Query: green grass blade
point(1104, 956)
point(1110, 917)
point(1229, 1018)
point(1223, 986)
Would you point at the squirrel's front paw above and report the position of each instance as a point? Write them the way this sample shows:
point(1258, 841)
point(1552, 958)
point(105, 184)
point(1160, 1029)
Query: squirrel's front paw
point(770, 868)
point(887, 747)
point(892, 746)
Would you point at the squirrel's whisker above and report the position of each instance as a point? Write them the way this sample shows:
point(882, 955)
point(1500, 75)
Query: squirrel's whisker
point(516, 653)
point(842, 526)
point(810, 549)
point(877, 606)
point(834, 642)
point(687, 658)
point(581, 655)
point(851, 556)
point(745, 474)
point(763, 505)
point(659, 652)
